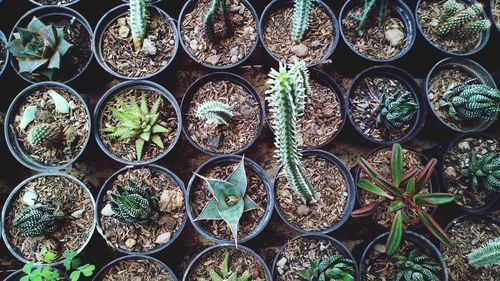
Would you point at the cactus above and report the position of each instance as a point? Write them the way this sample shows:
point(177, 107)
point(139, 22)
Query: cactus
point(368, 8)
point(450, 8)
point(39, 219)
point(471, 101)
point(138, 22)
point(416, 266)
point(301, 17)
point(484, 172)
point(217, 10)
point(287, 95)
point(335, 267)
point(39, 48)
point(395, 111)
point(44, 134)
point(486, 255)
point(134, 204)
point(226, 274)
point(216, 111)
point(461, 24)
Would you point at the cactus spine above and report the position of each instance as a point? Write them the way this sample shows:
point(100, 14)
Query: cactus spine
point(216, 111)
point(301, 16)
point(217, 9)
point(138, 22)
point(461, 24)
point(44, 134)
point(39, 219)
point(450, 8)
point(486, 255)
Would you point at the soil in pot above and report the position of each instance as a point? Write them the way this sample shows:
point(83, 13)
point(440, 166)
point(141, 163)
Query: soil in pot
point(382, 43)
point(228, 47)
point(76, 226)
point(364, 100)
point(330, 195)
point(298, 253)
point(146, 237)
point(71, 128)
point(249, 221)
point(243, 126)
point(137, 269)
point(467, 235)
point(318, 38)
point(118, 52)
point(54, 2)
point(495, 12)
point(126, 148)
point(381, 160)
point(459, 157)
point(237, 258)
point(3, 53)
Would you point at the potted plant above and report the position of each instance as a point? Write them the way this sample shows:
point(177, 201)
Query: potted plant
point(469, 169)
point(137, 122)
point(495, 13)
point(224, 262)
point(385, 105)
point(218, 34)
point(314, 257)
point(141, 209)
point(135, 266)
point(51, 210)
point(67, 52)
point(468, 234)
point(63, 3)
point(4, 53)
point(315, 193)
point(47, 126)
point(299, 30)
point(239, 181)
point(416, 259)
point(459, 28)
point(462, 95)
point(135, 41)
point(377, 30)
point(221, 114)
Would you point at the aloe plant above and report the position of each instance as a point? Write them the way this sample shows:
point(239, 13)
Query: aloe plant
point(228, 275)
point(403, 193)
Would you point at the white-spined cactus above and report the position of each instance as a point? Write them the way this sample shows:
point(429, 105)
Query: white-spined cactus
point(301, 16)
point(138, 21)
point(461, 24)
point(216, 111)
point(44, 134)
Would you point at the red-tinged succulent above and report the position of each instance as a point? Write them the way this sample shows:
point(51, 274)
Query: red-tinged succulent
point(403, 193)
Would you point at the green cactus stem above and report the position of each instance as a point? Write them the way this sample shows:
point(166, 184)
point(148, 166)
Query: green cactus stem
point(486, 255)
point(301, 17)
point(138, 22)
point(216, 11)
point(216, 111)
point(461, 24)
point(44, 134)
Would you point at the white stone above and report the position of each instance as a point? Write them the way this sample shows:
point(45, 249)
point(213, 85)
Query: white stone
point(29, 197)
point(163, 238)
point(107, 211)
point(394, 36)
point(149, 47)
point(78, 214)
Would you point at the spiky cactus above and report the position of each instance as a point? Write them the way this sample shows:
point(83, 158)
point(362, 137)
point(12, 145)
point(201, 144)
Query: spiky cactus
point(335, 267)
point(301, 17)
point(216, 111)
point(471, 101)
point(450, 8)
point(461, 24)
point(134, 204)
point(138, 22)
point(368, 8)
point(39, 219)
point(44, 134)
point(287, 95)
point(217, 10)
point(416, 266)
point(396, 110)
point(484, 172)
point(486, 255)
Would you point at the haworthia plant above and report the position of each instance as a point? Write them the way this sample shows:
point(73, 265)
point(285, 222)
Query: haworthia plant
point(484, 172)
point(416, 266)
point(134, 204)
point(396, 110)
point(39, 219)
point(487, 254)
point(335, 267)
point(216, 111)
point(461, 24)
point(301, 17)
point(217, 10)
point(138, 22)
point(226, 274)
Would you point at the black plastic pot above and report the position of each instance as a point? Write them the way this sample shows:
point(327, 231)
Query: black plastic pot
point(15, 276)
point(402, 11)
point(42, 13)
point(225, 159)
point(461, 218)
point(191, 91)
point(350, 186)
point(220, 246)
point(14, 193)
point(121, 11)
point(141, 84)
point(149, 2)
point(484, 210)
point(472, 68)
point(188, 7)
point(409, 82)
point(278, 4)
point(16, 148)
point(63, 5)
point(325, 80)
point(479, 46)
point(7, 54)
point(420, 241)
point(102, 272)
point(490, 10)
point(108, 185)
point(338, 245)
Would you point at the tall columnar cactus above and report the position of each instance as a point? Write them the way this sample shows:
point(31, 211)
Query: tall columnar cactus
point(416, 266)
point(138, 22)
point(486, 255)
point(484, 172)
point(216, 111)
point(368, 8)
point(39, 219)
point(396, 110)
point(301, 17)
point(335, 267)
point(44, 134)
point(471, 101)
point(134, 204)
point(287, 95)
point(217, 10)
point(461, 24)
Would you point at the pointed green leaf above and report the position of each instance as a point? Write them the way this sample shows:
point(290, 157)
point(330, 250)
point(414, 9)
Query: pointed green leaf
point(156, 106)
point(410, 186)
point(55, 61)
point(395, 235)
point(62, 105)
point(139, 146)
point(63, 46)
point(434, 228)
point(249, 204)
point(370, 187)
point(425, 175)
point(433, 199)
point(31, 65)
point(157, 140)
point(29, 115)
point(222, 189)
point(238, 177)
point(366, 210)
point(231, 214)
point(396, 206)
point(210, 212)
point(157, 129)
point(214, 276)
point(144, 105)
point(375, 175)
point(397, 164)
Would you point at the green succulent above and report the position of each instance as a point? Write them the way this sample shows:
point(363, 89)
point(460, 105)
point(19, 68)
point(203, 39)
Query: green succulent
point(368, 9)
point(333, 268)
point(39, 219)
point(230, 200)
point(216, 111)
point(484, 172)
point(416, 266)
point(396, 110)
point(301, 17)
point(138, 21)
point(39, 48)
point(461, 24)
point(216, 11)
point(487, 254)
point(134, 204)
point(44, 134)
point(227, 275)
point(137, 122)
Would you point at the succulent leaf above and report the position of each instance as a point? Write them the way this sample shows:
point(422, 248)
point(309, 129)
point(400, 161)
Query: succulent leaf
point(216, 111)
point(134, 204)
point(416, 266)
point(396, 110)
point(487, 254)
point(335, 267)
point(39, 219)
point(29, 115)
point(484, 172)
point(62, 105)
